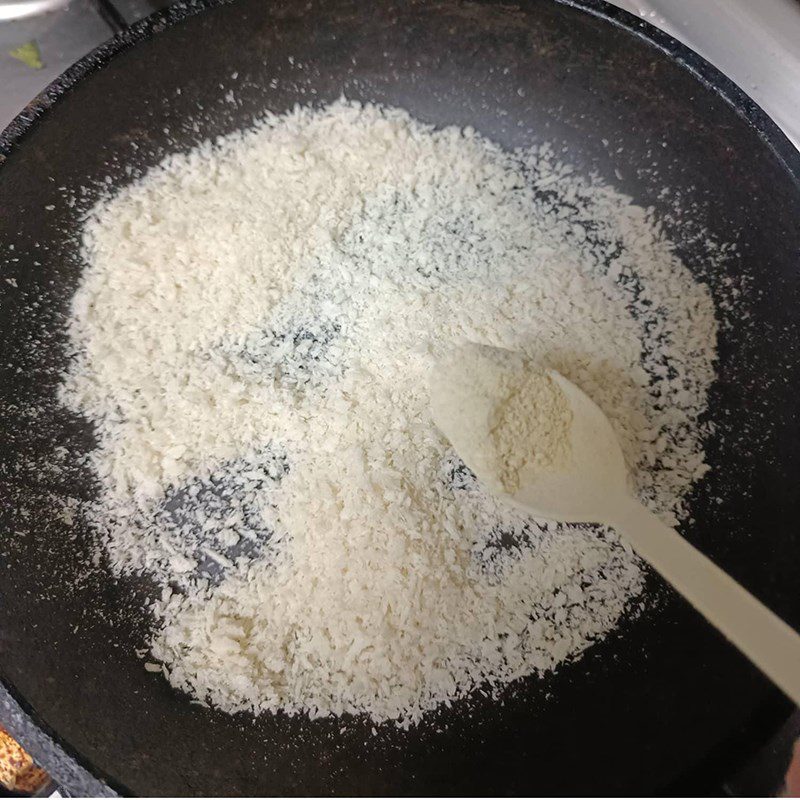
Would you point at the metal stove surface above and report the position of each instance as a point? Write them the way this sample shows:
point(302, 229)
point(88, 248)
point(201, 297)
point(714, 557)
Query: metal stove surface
point(39, 39)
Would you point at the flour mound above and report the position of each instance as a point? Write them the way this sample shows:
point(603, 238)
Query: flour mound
point(254, 332)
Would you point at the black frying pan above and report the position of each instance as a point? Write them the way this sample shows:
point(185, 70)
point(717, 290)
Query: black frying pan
point(664, 704)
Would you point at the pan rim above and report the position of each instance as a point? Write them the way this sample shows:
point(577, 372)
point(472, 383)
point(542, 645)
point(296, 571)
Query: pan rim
point(775, 709)
point(702, 70)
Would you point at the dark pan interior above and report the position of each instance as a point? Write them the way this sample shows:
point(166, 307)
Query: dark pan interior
point(662, 704)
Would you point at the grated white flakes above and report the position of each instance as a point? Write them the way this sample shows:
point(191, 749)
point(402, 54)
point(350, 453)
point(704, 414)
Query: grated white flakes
point(254, 330)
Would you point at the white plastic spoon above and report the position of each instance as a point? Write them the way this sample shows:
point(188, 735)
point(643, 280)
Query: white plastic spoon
point(591, 486)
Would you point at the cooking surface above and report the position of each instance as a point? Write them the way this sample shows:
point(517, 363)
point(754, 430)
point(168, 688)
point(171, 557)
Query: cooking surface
point(58, 56)
point(756, 44)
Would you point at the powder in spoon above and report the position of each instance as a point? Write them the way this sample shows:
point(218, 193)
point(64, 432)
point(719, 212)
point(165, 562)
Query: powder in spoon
point(530, 425)
point(510, 414)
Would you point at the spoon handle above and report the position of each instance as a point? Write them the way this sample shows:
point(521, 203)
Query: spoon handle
point(759, 634)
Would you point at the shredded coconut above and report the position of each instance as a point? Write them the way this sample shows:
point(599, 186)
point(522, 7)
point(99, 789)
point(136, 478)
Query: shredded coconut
point(253, 335)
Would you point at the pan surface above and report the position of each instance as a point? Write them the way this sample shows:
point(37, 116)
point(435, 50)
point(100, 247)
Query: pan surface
point(663, 704)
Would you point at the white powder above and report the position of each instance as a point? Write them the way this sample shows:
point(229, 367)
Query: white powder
point(509, 414)
point(531, 427)
point(254, 331)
